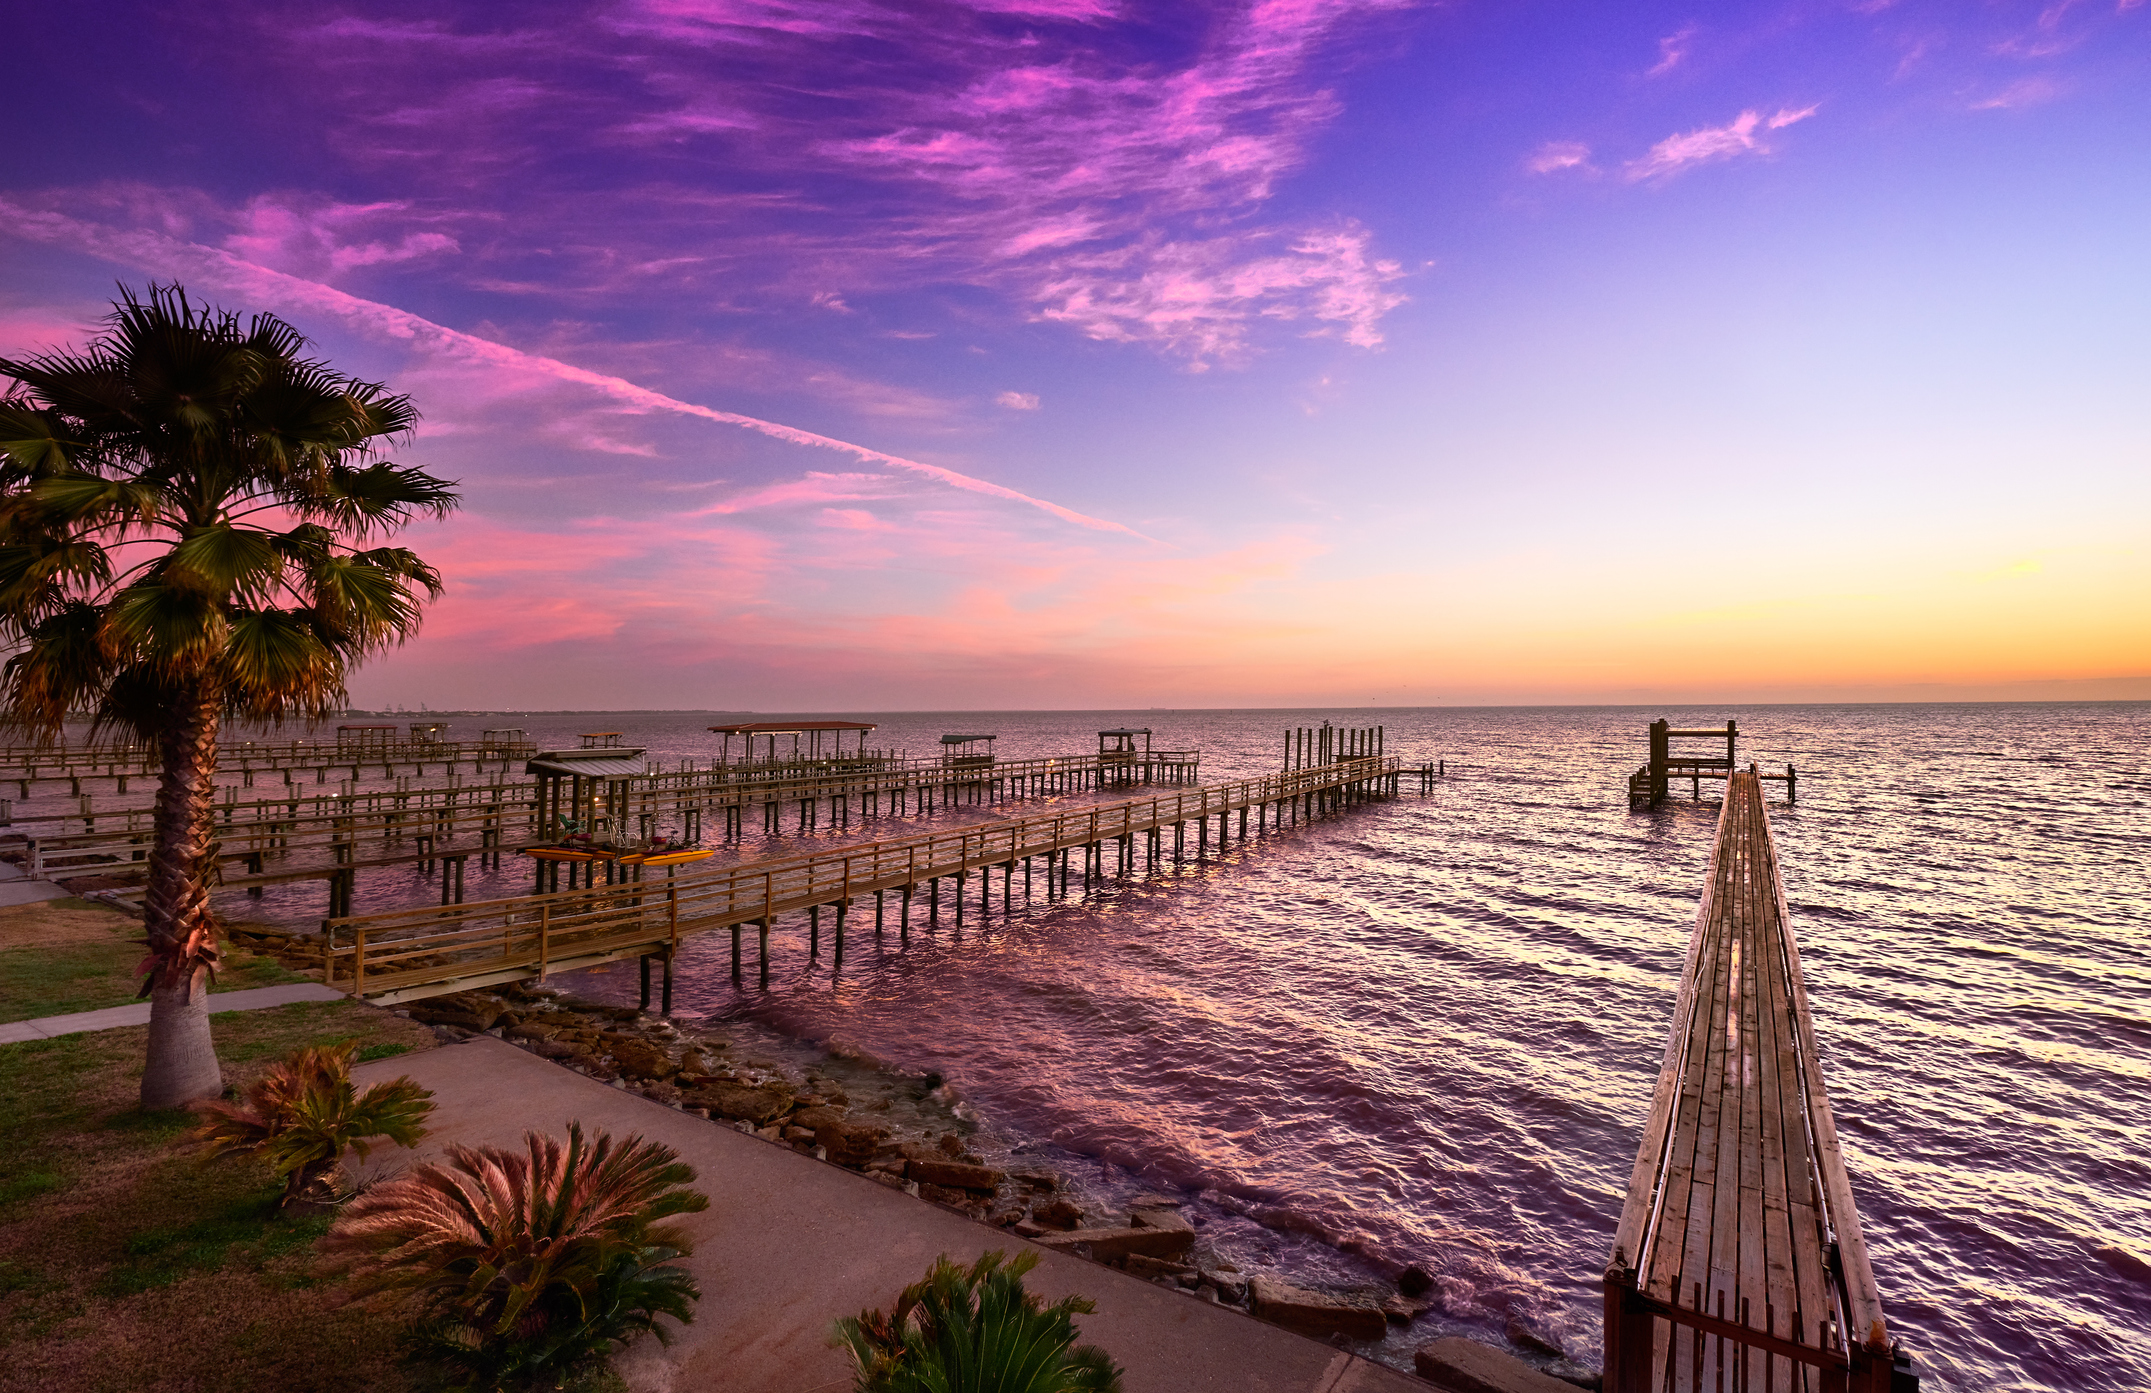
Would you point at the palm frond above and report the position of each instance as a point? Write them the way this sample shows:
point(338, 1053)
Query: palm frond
point(367, 500)
point(63, 668)
point(226, 562)
point(276, 665)
point(34, 443)
point(366, 605)
point(170, 628)
point(975, 1330)
point(36, 575)
point(304, 1113)
point(88, 500)
point(529, 1261)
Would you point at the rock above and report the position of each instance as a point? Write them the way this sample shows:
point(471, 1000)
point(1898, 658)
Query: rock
point(1041, 1182)
point(1403, 1310)
point(642, 1059)
point(1569, 1371)
point(532, 1030)
point(1143, 1266)
point(1466, 1366)
point(943, 1194)
point(1523, 1336)
point(1153, 1201)
point(1028, 1229)
point(1312, 1313)
point(1159, 1219)
point(1057, 1214)
point(472, 1021)
point(760, 1106)
point(799, 1134)
point(894, 1182)
point(1119, 1243)
point(850, 1143)
point(951, 1144)
point(1415, 1281)
point(956, 1175)
point(1229, 1289)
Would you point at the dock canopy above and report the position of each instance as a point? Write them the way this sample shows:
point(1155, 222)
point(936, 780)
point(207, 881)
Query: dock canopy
point(956, 750)
point(813, 731)
point(1121, 743)
point(605, 762)
point(584, 791)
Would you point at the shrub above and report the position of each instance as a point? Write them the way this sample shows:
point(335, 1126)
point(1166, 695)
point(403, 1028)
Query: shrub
point(975, 1331)
point(528, 1265)
point(303, 1115)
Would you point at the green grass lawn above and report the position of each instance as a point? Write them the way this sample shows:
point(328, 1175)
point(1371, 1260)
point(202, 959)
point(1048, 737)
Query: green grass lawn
point(75, 955)
point(128, 1263)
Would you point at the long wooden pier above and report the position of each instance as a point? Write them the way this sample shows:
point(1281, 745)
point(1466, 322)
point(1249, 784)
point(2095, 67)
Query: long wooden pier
point(26, 766)
point(426, 952)
point(320, 836)
point(1738, 1262)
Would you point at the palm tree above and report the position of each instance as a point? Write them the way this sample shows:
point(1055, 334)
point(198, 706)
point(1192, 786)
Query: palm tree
point(189, 519)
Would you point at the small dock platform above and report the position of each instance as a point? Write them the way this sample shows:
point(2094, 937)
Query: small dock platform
point(1650, 784)
point(1739, 1262)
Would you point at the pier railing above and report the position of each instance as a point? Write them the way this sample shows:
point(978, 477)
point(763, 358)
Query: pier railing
point(327, 829)
point(423, 952)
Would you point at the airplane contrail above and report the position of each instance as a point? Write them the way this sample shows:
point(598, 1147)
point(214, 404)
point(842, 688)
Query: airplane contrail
point(170, 255)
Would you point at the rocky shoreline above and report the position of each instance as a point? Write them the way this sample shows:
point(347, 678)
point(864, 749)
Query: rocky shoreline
point(908, 1132)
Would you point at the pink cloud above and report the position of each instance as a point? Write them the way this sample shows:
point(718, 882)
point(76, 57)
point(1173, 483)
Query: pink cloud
point(1018, 401)
point(1198, 298)
point(2024, 92)
point(318, 238)
point(1672, 50)
point(1711, 144)
point(1558, 155)
point(958, 151)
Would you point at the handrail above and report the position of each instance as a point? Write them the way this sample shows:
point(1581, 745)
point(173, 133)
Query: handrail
point(758, 890)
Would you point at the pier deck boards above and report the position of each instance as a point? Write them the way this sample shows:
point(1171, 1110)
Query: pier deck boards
point(1739, 1262)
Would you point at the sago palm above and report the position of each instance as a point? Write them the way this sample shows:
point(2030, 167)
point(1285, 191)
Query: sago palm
point(190, 523)
point(975, 1330)
point(303, 1114)
point(527, 1264)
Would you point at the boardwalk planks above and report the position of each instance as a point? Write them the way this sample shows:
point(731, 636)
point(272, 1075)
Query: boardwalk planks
point(1738, 1261)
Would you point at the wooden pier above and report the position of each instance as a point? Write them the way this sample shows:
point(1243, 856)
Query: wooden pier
point(1738, 1263)
point(417, 953)
point(1650, 784)
point(331, 837)
point(26, 767)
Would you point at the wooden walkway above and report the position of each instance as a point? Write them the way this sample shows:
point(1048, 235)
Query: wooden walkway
point(28, 766)
point(1738, 1263)
point(416, 953)
point(319, 836)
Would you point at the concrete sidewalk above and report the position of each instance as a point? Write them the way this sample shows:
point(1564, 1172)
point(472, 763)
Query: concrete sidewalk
point(789, 1243)
point(137, 1012)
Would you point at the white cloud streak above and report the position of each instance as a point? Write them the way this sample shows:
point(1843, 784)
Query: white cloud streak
point(161, 255)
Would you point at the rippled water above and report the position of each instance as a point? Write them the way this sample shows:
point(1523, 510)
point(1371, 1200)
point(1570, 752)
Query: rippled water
point(1427, 1030)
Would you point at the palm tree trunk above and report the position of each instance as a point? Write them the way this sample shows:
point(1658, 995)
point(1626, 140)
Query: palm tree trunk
point(182, 1064)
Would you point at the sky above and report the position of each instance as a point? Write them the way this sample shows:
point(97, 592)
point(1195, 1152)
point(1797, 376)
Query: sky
point(1002, 354)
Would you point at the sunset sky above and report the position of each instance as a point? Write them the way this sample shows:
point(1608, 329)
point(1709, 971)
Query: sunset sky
point(1081, 353)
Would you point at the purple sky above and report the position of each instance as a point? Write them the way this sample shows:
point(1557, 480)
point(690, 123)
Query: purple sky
point(1070, 353)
